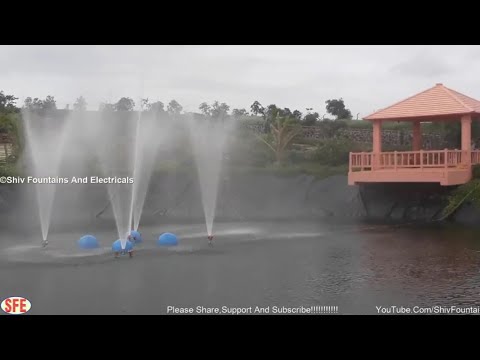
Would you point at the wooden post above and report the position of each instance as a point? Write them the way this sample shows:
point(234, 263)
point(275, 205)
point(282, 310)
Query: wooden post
point(417, 136)
point(377, 143)
point(377, 136)
point(466, 139)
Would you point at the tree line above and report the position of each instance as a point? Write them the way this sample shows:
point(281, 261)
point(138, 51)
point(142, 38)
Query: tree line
point(334, 107)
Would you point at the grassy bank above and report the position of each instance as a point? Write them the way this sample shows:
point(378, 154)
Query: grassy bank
point(314, 169)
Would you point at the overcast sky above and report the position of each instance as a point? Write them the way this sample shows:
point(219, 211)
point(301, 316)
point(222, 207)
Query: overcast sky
point(297, 77)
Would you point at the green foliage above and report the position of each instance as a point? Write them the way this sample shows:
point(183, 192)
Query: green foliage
point(257, 109)
point(239, 113)
point(11, 125)
point(7, 103)
point(283, 131)
point(8, 170)
point(469, 192)
point(218, 111)
point(124, 104)
point(476, 171)
point(335, 151)
point(337, 108)
point(174, 108)
point(80, 104)
point(310, 119)
point(307, 168)
point(245, 149)
point(8, 123)
point(36, 104)
point(106, 107)
point(330, 127)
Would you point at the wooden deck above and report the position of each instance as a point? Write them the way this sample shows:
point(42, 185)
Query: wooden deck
point(447, 167)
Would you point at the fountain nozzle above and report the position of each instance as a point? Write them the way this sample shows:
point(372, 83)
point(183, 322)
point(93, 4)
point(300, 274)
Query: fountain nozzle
point(210, 239)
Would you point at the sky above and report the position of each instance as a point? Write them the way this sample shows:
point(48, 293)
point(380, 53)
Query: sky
point(368, 78)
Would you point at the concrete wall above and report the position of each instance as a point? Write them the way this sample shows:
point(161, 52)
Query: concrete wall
point(176, 198)
point(389, 137)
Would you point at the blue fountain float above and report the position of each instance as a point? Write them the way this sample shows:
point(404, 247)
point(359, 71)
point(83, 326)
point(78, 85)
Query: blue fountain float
point(88, 242)
point(117, 246)
point(167, 239)
point(135, 237)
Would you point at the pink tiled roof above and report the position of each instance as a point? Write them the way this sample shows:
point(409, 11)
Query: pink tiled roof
point(436, 101)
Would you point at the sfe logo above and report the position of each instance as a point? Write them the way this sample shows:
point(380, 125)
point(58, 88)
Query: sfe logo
point(16, 305)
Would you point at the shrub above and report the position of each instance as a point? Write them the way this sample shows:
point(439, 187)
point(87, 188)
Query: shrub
point(335, 151)
point(476, 172)
point(8, 170)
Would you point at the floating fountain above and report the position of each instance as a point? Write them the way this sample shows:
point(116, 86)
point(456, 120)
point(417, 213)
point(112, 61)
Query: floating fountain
point(46, 137)
point(208, 137)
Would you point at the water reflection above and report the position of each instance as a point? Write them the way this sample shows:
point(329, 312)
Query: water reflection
point(423, 265)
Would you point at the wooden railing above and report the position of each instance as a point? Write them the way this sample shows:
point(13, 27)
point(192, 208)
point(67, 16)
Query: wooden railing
point(412, 159)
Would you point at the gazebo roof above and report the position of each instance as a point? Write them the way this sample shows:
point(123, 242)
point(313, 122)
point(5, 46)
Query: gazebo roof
point(438, 101)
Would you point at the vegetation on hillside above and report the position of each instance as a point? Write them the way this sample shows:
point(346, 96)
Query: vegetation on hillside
point(279, 147)
point(463, 194)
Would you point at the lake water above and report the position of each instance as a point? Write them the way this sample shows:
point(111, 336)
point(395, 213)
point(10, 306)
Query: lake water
point(292, 267)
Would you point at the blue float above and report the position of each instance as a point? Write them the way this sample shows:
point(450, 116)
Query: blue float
point(136, 237)
point(88, 242)
point(117, 246)
point(167, 239)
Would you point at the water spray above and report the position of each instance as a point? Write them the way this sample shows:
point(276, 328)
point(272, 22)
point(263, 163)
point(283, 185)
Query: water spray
point(133, 215)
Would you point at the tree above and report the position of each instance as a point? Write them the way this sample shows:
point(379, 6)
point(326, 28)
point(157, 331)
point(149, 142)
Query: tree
point(205, 109)
point(144, 104)
point(106, 107)
point(219, 111)
point(282, 132)
point(297, 115)
point(174, 108)
point(124, 104)
point(7, 102)
point(156, 108)
point(310, 119)
point(286, 112)
point(257, 109)
point(39, 105)
point(237, 113)
point(80, 104)
point(271, 112)
point(337, 108)
point(49, 103)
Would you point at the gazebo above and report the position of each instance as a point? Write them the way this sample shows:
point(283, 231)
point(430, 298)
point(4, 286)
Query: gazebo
point(447, 167)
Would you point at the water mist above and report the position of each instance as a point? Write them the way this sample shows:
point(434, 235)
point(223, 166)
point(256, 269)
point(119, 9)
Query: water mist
point(116, 153)
point(208, 137)
point(152, 132)
point(46, 137)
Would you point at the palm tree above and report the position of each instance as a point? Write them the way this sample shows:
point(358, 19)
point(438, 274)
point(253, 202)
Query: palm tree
point(282, 132)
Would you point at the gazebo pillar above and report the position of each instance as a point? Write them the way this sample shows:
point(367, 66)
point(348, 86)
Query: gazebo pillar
point(377, 143)
point(417, 136)
point(466, 138)
point(377, 136)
